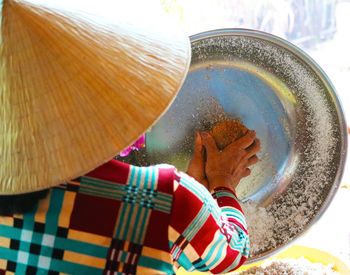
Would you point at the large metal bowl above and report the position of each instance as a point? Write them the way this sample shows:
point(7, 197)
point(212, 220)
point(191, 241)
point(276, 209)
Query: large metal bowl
point(281, 93)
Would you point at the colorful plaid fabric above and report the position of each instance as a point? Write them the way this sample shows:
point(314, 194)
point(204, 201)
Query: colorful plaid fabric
point(122, 219)
point(207, 233)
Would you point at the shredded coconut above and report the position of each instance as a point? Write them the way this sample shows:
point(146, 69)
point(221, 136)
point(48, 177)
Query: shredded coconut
point(260, 226)
point(300, 266)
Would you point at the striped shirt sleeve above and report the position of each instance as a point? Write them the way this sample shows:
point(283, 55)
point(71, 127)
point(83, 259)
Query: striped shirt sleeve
point(207, 232)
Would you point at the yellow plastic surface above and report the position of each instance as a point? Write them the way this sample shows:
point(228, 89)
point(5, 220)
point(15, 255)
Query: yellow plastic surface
point(296, 252)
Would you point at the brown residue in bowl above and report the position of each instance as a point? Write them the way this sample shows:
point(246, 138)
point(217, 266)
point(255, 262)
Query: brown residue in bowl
point(224, 133)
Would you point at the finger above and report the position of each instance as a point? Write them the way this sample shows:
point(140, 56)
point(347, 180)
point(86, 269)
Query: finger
point(252, 160)
point(196, 165)
point(254, 148)
point(244, 142)
point(209, 143)
point(198, 146)
point(246, 173)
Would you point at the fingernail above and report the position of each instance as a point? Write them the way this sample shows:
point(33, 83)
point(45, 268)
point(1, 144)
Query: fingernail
point(204, 134)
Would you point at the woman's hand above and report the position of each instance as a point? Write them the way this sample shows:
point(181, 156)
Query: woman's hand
point(196, 168)
point(229, 166)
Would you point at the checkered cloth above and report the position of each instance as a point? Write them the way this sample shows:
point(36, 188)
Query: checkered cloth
point(122, 219)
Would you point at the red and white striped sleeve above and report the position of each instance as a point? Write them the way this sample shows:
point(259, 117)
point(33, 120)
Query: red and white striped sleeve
point(207, 232)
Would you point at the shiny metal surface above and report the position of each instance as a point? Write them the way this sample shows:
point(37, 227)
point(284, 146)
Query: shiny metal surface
point(281, 93)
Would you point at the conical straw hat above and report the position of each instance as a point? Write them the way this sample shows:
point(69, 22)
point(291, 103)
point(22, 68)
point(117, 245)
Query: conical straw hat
point(77, 87)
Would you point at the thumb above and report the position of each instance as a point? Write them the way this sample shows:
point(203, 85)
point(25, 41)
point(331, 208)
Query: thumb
point(196, 165)
point(209, 143)
point(198, 146)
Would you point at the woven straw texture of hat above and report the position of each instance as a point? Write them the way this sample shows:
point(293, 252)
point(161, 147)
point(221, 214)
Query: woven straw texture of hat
point(77, 87)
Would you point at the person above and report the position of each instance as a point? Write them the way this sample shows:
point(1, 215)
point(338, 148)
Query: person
point(137, 220)
point(79, 84)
